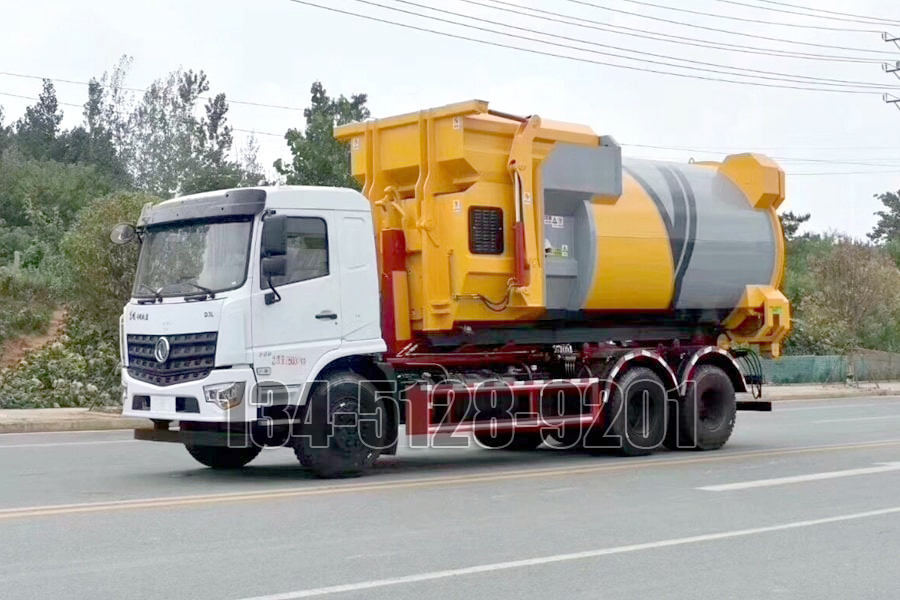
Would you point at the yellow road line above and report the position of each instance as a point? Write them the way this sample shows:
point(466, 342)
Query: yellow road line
point(423, 482)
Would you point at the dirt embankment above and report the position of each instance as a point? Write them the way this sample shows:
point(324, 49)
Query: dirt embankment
point(13, 351)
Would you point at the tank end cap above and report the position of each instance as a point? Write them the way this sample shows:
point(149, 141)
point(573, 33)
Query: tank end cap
point(758, 176)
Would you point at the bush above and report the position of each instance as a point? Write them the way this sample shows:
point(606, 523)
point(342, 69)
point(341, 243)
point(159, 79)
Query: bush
point(26, 302)
point(101, 274)
point(81, 368)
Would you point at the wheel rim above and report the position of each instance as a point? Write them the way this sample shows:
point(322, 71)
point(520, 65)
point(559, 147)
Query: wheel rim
point(346, 432)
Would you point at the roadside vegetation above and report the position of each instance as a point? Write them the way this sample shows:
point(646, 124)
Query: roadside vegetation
point(62, 190)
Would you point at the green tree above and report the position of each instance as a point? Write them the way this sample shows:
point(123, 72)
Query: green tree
point(888, 226)
point(798, 282)
point(319, 159)
point(5, 133)
point(791, 223)
point(36, 131)
point(168, 150)
point(854, 302)
point(92, 142)
point(39, 200)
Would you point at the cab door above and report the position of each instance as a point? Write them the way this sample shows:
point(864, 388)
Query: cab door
point(291, 334)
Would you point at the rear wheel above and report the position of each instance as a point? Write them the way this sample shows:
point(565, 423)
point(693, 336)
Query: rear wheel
point(345, 427)
point(569, 438)
point(706, 414)
point(223, 457)
point(635, 415)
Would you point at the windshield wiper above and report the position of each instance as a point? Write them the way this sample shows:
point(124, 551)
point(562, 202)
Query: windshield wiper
point(157, 296)
point(208, 293)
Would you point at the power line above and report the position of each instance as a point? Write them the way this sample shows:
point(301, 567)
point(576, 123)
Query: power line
point(895, 172)
point(680, 148)
point(704, 150)
point(728, 31)
point(33, 98)
point(867, 162)
point(666, 37)
point(763, 148)
point(141, 90)
point(764, 74)
point(250, 131)
point(254, 132)
point(749, 20)
point(831, 12)
point(847, 18)
point(585, 60)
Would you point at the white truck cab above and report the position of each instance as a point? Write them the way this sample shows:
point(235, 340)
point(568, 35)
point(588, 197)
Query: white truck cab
point(206, 325)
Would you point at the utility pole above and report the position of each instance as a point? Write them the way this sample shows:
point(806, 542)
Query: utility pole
point(887, 37)
point(891, 67)
point(891, 99)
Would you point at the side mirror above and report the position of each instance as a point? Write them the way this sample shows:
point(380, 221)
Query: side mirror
point(274, 266)
point(274, 236)
point(123, 233)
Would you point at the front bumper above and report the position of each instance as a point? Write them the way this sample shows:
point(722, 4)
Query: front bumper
point(186, 401)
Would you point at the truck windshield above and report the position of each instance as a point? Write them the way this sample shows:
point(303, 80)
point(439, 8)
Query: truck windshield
point(190, 258)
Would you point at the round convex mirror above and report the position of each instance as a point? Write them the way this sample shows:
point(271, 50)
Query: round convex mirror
point(123, 233)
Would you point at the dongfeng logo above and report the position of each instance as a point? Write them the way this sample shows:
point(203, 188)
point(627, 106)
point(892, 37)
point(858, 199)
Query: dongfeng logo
point(161, 351)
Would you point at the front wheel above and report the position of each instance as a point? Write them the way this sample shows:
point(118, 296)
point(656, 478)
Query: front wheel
point(223, 457)
point(344, 429)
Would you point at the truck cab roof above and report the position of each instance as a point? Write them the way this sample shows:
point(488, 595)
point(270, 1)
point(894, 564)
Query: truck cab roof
point(238, 202)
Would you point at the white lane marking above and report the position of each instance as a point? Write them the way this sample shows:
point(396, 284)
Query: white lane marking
point(70, 432)
point(835, 406)
point(744, 485)
point(561, 490)
point(858, 419)
point(50, 445)
point(558, 558)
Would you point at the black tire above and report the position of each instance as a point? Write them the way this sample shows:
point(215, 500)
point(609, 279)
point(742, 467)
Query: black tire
point(223, 457)
point(706, 415)
point(304, 460)
point(507, 440)
point(636, 413)
point(567, 440)
point(333, 440)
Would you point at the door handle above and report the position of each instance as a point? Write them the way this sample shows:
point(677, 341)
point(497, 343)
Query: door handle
point(326, 314)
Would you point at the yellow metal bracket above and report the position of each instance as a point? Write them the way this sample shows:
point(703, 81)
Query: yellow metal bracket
point(521, 168)
point(762, 318)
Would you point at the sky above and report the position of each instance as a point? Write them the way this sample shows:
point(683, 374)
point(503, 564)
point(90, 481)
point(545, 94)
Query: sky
point(839, 149)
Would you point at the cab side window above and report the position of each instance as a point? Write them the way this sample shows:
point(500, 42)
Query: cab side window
point(307, 251)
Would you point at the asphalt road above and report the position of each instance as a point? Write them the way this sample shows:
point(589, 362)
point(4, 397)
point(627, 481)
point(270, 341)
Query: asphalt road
point(802, 503)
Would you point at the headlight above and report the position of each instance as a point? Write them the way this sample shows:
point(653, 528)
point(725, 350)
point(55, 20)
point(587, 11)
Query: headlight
point(123, 345)
point(225, 395)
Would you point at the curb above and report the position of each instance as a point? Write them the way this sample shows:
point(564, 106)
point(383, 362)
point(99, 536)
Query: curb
point(110, 423)
point(830, 395)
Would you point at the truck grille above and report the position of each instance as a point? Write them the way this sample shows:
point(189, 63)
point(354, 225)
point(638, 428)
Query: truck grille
point(191, 357)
